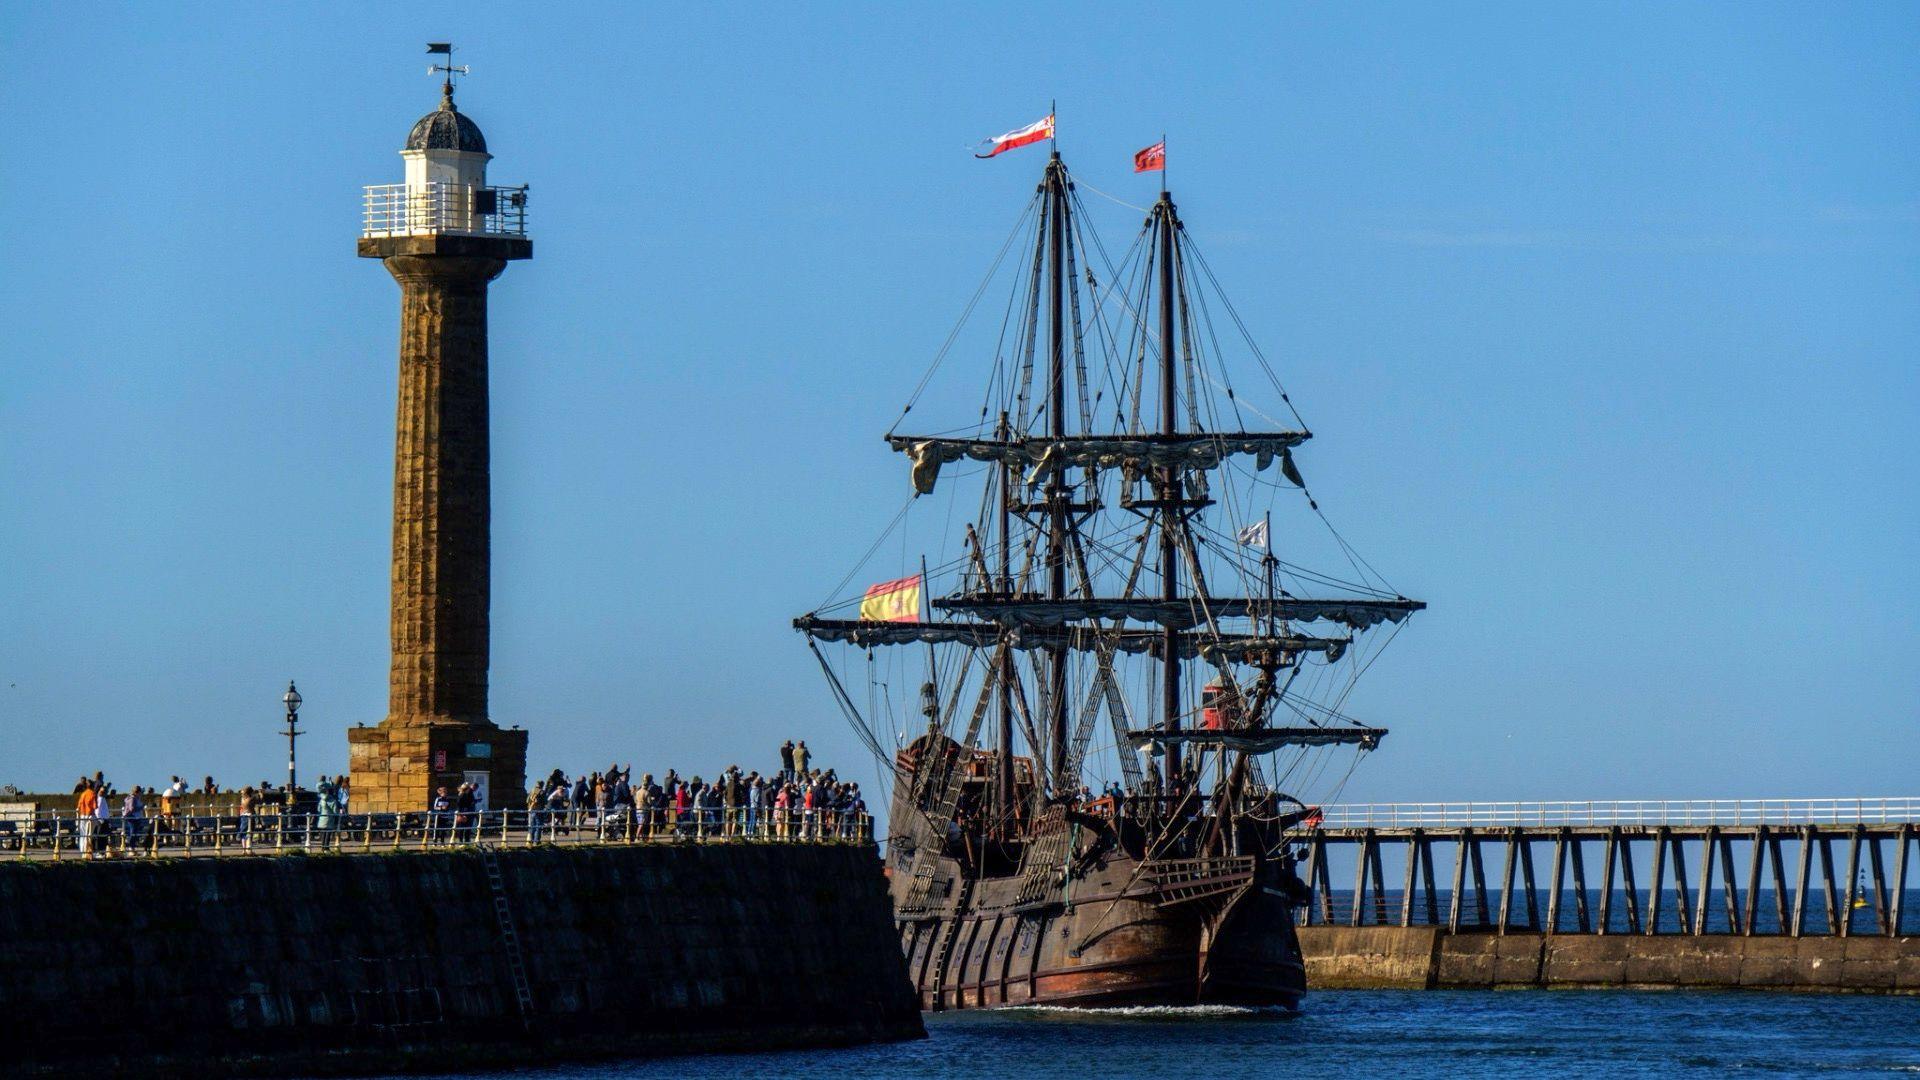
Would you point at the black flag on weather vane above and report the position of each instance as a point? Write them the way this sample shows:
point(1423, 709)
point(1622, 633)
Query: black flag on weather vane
point(440, 47)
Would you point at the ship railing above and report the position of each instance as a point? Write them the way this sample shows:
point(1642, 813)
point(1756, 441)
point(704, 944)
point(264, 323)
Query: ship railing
point(436, 208)
point(1629, 812)
point(53, 835)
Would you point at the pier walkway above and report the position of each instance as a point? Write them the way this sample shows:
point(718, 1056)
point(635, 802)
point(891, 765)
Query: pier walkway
point(1782, 867)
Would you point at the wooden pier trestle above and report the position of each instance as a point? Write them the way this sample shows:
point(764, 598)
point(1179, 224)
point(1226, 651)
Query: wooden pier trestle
point(1746, 869)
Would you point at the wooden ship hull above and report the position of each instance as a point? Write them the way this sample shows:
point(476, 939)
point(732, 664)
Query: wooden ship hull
point(1091, 904)
point(1217, 931)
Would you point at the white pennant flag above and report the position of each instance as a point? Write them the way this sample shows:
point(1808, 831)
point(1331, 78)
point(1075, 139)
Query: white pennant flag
point(1254, 535)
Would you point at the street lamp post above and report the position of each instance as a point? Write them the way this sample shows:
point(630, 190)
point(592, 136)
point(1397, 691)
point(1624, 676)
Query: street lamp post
point(292, 700)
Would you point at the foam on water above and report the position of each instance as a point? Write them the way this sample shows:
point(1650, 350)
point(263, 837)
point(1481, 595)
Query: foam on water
point(1146, 1012)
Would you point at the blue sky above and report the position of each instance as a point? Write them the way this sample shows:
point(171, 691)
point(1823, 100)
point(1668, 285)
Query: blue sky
point(1605, 320)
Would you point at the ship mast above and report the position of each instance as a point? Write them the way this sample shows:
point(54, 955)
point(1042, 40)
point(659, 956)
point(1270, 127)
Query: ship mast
point(1003, 782)
point(1057, 490)
point(1169, 483)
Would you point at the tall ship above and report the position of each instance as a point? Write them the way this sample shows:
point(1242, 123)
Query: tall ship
point(1121, 685)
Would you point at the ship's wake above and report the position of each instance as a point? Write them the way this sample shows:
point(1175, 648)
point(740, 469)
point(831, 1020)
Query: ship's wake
point(1148, 1012)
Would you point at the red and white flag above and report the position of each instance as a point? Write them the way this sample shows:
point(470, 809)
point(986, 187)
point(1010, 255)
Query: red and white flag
point(1013, 140)
point(1152, 159)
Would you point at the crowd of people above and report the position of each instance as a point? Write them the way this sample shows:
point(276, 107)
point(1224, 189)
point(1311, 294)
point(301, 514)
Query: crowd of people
point(795, 802)
point(101, 811)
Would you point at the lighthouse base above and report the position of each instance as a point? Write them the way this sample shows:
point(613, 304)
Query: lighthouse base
point(395, 768)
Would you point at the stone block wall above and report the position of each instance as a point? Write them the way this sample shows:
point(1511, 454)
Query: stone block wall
point(394, 768)
point(345, 963)
point(1424, 957)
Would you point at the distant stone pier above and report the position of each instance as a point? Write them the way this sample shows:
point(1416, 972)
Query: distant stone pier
point(1805, 894)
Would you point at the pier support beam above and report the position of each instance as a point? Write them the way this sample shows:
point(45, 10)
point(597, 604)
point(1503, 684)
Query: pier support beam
point(1579, 886)
point(1833, 893)
point(1683, 916)
point(1800, 888)
point(1426, 878)
point(1753, 880)
point(1899, 879)
point(1406, 887)
point(1605, 924)
point(1727, 887)
point(1559, 879)
point(1659, 880)
point(1853, 878)
point(1705, 903)
point(1506, 876)
point(1879, 884)
point(1479, 882)
point(1459, 881)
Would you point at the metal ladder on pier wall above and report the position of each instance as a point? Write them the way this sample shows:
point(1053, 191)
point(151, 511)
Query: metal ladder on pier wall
point(508, 938)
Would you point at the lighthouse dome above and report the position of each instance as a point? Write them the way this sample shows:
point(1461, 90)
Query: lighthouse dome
point(446, 128)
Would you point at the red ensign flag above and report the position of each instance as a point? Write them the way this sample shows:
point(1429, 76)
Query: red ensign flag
point(1152, 159)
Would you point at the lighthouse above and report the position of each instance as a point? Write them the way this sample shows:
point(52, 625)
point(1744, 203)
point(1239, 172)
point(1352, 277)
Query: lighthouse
point(444, 234)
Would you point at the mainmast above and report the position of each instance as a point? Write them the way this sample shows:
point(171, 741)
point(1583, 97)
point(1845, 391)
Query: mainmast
point(1170, 512)
point(1057, 489)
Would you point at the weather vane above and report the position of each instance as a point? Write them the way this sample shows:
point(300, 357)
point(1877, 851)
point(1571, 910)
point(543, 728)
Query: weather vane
point(445, 48)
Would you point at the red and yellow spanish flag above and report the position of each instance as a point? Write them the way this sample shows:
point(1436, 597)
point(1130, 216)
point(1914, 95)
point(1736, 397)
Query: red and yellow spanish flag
point(1152, 159)
point(893, 601)
point(1013, 140)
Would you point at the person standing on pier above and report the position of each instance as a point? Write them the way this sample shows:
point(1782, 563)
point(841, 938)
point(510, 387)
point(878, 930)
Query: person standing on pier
point(536, 811)
point(441, 808)
point(133, 812)
point(245, 812)
point(170, 800)
point(786, 760)
point(800, 758)
point(83, 808)
point(323, 806)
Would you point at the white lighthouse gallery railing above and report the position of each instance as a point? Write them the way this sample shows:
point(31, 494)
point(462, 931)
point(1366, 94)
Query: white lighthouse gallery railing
point(1482, 815)
point(427, 209)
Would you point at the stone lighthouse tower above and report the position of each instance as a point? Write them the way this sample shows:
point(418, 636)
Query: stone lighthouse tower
point(444, 235)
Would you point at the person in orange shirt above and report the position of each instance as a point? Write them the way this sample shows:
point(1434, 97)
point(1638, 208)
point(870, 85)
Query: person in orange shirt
point(83, 811)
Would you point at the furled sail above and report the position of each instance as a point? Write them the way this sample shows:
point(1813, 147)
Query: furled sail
point(1230, 647)
point(1266, 740)
point(1037, 457)
point(1360, 614)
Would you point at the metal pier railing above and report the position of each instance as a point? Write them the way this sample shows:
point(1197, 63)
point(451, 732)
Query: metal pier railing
point(64, 836)
point(1480, 815)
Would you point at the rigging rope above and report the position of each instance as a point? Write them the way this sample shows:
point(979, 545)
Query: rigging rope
point(1082, 183)
point(965, 314)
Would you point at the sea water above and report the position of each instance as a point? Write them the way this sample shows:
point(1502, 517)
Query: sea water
point(1389, 1034)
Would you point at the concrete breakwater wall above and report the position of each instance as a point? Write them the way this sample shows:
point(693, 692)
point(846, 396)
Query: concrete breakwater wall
point(1429, 957)
point(345, 963)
